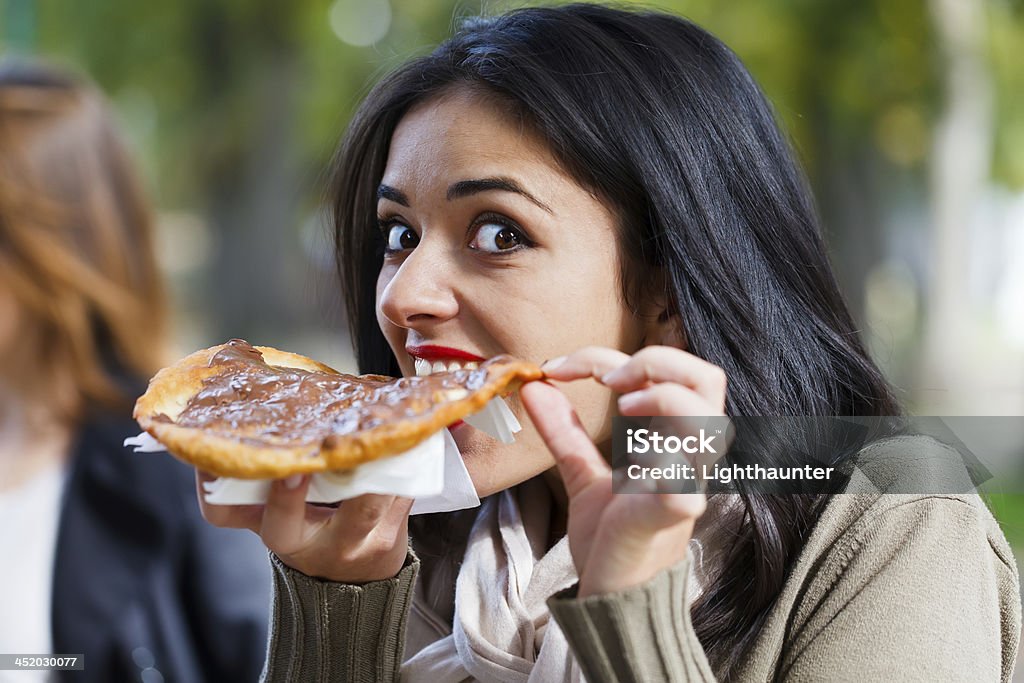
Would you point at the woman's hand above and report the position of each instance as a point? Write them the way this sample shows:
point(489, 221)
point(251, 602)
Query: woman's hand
point(364, 539)
point(622, 540)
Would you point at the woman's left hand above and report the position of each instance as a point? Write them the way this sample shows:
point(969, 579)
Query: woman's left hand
point(622, 540)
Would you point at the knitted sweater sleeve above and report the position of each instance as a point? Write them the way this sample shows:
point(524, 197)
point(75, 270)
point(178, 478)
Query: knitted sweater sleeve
point(324, 631)
point(634, 636)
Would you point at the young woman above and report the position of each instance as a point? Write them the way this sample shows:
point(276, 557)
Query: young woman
point(105, 554)
point(607, 191)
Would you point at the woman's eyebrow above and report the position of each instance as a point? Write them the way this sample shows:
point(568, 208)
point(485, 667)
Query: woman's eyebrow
point(465, 188)
point(395, 195)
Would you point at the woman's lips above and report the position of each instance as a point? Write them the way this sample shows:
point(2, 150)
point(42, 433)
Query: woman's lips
point(425, 367)
point(430, 358)
point(433, 352)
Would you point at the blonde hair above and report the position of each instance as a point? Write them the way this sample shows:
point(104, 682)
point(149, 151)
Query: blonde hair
point(76, 245)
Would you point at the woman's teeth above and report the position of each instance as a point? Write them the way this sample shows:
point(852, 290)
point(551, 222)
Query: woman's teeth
point(425, 367)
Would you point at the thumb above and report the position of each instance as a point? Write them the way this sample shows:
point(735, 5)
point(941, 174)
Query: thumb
point(578, 460)
point(283, 528)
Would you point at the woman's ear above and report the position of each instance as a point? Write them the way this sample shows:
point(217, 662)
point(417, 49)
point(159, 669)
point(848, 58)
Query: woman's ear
point(662, 324)
point(664, 327)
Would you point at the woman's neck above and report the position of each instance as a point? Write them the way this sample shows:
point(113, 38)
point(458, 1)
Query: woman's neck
point(559, 506)
point(32, 440)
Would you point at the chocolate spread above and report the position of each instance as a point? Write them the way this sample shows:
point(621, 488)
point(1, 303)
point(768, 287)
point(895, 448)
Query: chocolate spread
point(265, 404)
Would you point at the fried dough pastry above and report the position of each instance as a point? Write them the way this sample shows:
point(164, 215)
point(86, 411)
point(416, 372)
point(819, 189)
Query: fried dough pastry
point(254, 412)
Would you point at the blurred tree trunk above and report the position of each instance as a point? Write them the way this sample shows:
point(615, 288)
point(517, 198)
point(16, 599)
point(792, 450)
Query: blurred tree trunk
point(255, 275)
point(851, 196)
point(845, 176)
point(251, 184)
point(959, 169)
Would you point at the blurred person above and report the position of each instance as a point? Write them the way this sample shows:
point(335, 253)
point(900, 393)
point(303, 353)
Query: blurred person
point(104, 552)
point(609, 189)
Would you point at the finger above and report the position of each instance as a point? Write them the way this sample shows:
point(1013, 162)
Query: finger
point(655, 364)
point(283, 527)
point(227, 516)
point(233, 516)
point(578, 460)
point(665, 399)
point(591, 361)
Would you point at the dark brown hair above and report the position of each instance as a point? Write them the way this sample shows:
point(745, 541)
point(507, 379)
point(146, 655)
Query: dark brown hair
point(663, 123)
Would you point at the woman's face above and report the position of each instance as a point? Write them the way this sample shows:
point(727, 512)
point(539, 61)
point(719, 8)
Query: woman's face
point(493, 249)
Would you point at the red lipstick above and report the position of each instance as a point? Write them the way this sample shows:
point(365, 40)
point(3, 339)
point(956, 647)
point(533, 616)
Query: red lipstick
point(432, 352)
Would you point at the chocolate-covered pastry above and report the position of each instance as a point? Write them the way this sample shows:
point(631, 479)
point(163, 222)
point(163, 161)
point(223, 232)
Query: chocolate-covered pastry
point(254, 412)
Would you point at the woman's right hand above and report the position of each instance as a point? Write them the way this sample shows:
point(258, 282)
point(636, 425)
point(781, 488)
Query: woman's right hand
point(365, 539)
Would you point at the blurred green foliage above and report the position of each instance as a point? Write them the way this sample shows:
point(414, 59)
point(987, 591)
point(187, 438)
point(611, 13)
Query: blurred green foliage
point(866, 69)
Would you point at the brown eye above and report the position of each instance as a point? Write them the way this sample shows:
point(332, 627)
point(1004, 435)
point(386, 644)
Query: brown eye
point(401, 237)
point(495, 237)
point(506, 239)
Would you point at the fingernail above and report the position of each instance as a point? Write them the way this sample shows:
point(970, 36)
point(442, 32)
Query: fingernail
point(608, 377)
point(631, 400)
point(293, 482)
point(552, 364)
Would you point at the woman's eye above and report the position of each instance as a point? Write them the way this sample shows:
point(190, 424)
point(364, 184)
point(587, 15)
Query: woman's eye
point(495, 237)
point(401, 237)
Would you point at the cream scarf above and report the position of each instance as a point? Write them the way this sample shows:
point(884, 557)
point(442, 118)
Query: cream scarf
point(502, 629)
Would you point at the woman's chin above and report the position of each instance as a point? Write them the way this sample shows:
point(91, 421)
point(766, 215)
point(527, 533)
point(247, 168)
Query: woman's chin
point(494, 466)
point(471, 441)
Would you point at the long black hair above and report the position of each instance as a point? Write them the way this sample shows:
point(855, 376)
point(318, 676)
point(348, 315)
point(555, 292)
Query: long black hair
point(662, 121)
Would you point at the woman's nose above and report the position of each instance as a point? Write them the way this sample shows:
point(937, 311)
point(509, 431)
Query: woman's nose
point(420, 291)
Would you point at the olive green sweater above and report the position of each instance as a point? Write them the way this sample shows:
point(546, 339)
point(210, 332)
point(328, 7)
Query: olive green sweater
point(888, 587)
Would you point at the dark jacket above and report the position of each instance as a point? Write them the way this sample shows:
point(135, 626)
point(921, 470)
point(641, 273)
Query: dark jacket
point(141, 580)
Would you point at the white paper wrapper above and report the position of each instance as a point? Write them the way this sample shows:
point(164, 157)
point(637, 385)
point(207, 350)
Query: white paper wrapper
point(144, 443)
point(497, 420)
point(432, 472)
